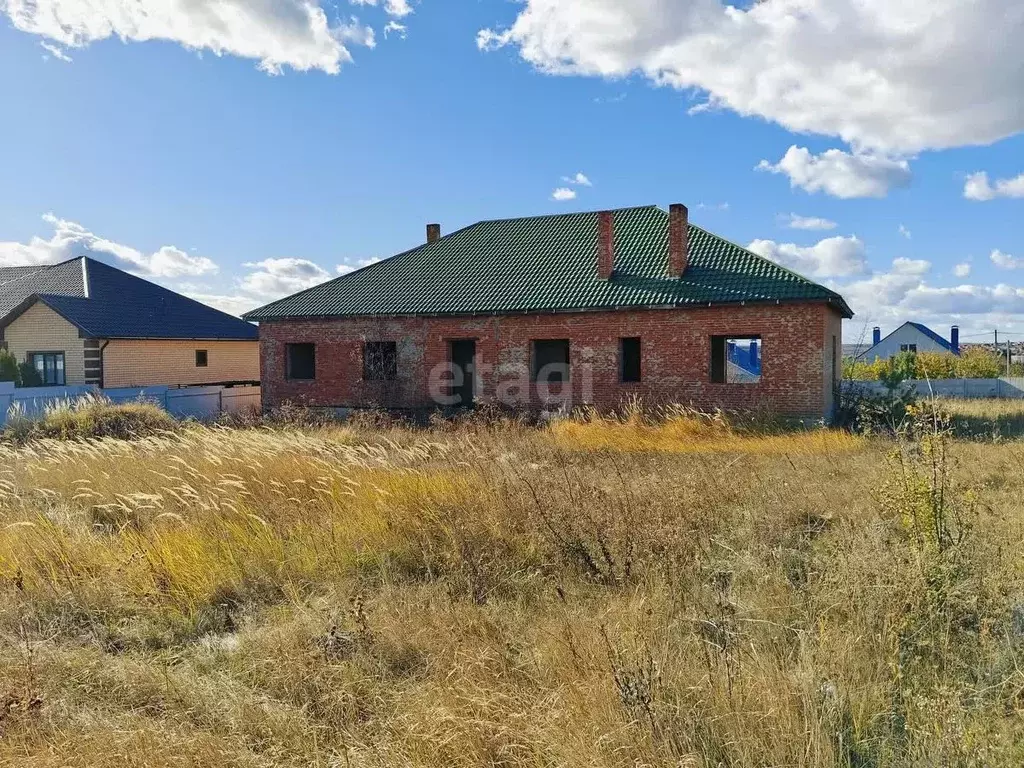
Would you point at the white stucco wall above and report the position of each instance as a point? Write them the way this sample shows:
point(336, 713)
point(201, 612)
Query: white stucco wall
point(907, 334)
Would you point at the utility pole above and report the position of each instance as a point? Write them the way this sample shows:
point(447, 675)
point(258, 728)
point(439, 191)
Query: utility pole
point(1008, 354)
point(997, 339)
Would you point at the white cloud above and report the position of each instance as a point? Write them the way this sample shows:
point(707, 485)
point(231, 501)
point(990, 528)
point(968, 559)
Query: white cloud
point(840, 173)
point(905, 232)
point(397, 8)
point(889, 76)
point(902, 293)
point(579, 180)
point(963, 269)
point(562, 194)
point(236, 305)
point(833, 257)
point(394, 26)
point(978, 187)
point(268, 281)
point(274, 278)
point(795, 221)
point(276, 33)
point(1005, 260)
point(713, 207)
point(344, 269)
point(56, 52)
point(70, 239)
point(965, 299)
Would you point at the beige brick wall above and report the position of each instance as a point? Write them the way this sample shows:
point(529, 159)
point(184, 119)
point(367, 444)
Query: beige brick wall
point(128, 363)
point(40, 329)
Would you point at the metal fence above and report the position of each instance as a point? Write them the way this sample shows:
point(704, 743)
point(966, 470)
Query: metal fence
point(182, 403)
point(1008, 388)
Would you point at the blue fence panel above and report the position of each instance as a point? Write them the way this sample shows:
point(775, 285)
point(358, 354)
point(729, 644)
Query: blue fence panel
point(746, 355)
point(32, 402)
point(184, 403)
point(155, 395)
point(194, 402)
point(6, 396)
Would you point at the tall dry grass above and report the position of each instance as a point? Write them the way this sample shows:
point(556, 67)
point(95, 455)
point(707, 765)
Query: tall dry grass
point(593, 593)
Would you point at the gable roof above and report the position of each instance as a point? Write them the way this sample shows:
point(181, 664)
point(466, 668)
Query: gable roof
point(108, 303)
point(933, 336)
point(549, 263)
point(923, 329)
point(65, 278)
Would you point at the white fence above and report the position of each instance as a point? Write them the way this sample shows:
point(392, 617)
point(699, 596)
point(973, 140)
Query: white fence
point(183, 403)
point(1006, 388)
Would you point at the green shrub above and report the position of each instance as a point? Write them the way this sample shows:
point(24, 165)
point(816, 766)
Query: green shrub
point(9, 368)
point(93, 417)
point(875, 414)
point(29, 375)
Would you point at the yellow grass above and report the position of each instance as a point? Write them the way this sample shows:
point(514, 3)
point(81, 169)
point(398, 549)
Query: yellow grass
point(598, 592)
point(692, 434)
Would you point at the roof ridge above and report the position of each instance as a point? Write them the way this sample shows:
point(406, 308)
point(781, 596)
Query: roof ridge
point(567, 213)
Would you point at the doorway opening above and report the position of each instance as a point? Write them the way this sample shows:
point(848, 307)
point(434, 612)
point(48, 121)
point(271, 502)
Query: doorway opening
point(463, 356)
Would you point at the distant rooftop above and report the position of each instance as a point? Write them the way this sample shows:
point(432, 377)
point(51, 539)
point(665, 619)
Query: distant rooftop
point(108, 303)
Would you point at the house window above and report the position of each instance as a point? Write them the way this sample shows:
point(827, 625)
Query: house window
point(736, 359)
point(380, 361)
point(49, 366)
point(202, 358)
point(908, 348)
point(300, 361)
point(629, 361)
point(550, 360)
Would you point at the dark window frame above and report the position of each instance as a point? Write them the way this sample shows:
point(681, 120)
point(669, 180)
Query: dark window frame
point(539, 361)
point(631, 360)
point(908, 348)
point(202, 358)
point(380, 360)
point(31, 356)
point(718, 369)
point(290, 361)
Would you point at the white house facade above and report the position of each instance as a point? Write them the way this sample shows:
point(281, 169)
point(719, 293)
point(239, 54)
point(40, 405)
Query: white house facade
point(911, 337)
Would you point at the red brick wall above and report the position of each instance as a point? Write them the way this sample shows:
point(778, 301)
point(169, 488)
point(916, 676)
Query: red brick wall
point(796, 351)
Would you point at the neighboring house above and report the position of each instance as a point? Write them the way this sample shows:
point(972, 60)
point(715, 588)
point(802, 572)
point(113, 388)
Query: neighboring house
point(567, 309)
point(910, 337)
point(84, 322)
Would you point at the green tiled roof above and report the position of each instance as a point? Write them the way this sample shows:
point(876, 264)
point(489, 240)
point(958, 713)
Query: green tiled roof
point(549, 263)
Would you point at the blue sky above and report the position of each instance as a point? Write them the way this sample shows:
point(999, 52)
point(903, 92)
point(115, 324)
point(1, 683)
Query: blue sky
point(247, 175)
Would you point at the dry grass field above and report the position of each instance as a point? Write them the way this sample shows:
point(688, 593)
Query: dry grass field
point(591, 593)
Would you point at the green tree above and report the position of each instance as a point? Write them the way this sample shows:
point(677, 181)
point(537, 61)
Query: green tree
point(9, 368)
point(902, 367)
point(979, 363)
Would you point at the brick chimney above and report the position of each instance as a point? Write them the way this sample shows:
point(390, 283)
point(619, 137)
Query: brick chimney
point(954, 339)
point(605, 245)
point(433, 233)
point(876, 336)
point(678, 239)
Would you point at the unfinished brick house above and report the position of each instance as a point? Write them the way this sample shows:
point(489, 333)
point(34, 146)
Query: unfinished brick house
point(555, 311)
